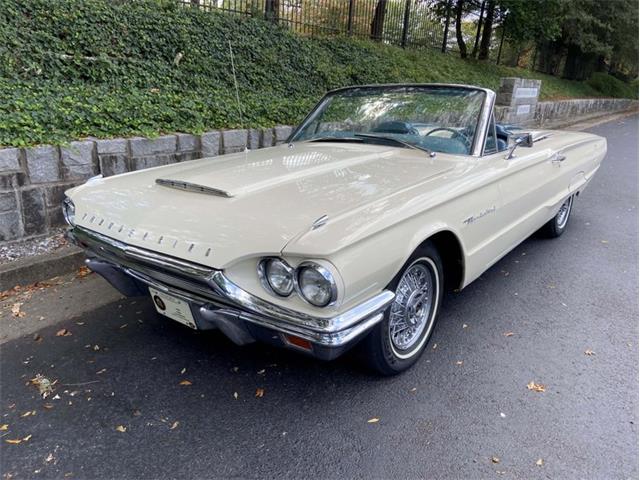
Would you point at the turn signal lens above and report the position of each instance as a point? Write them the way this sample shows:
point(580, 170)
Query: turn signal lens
point(297, 342)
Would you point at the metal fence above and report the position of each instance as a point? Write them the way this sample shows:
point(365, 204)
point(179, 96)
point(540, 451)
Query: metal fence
point(408, 23)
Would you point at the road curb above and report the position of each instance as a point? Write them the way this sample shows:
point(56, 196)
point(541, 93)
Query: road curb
point(40, 267)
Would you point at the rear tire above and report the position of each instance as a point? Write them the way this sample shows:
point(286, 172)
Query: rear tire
point(558, 224)
point(398, 341)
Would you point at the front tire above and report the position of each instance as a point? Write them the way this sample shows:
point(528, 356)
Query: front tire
point(558, 224)
point(397, 342)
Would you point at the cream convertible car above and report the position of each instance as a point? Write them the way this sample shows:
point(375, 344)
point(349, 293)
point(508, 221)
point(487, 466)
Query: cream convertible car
point(348, 234)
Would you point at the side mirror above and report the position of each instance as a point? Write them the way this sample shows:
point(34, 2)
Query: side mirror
point(521, 140)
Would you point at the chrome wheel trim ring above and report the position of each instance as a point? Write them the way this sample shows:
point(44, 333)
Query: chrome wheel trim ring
point(412, 313)
point(562, 217)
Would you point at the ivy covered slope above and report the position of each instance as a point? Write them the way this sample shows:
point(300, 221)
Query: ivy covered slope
point(77, 68)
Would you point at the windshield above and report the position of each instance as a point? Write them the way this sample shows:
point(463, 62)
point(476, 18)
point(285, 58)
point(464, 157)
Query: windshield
point(434, 118)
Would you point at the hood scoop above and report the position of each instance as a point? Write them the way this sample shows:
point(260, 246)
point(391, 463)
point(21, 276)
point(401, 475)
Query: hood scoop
point(192, 187)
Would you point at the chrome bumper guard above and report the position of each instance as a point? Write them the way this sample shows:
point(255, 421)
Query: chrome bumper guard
point(213, 296)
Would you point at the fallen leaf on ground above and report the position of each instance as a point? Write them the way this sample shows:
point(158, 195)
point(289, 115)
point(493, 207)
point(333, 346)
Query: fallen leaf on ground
point(235, 395)
point(121, 428)
point(536, 387)
point(413, 389)
point(540, 462)
point(13, 441)
point(373, 420)
point(49, 458)
point(185, 382)
point(63, 332)
point(37, 338)
point(261, 372)
point(96, 347)
point(508, 334)
point(15, 310)
point(464, 325)
point(183, 371)
point(503, 415)
point(28, 414)
point(459, 362)
point(83, 272)
point(589, 352)
point(174, 425)
point(495, 460)
point(4, 426)
point(45, 387)
point(259, 392)
point(435, 345)
point(604, 241)
point(27, 438)
point(101, 371)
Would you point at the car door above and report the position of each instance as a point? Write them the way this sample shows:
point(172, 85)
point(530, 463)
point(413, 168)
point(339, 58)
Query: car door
point(533, 182)
point(529, 185)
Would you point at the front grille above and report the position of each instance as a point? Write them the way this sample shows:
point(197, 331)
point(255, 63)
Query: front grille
point(169, 271)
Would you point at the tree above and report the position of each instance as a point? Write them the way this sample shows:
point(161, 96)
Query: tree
point(377, 24)
point(461, 43)
point(474, 53)
point(487, 31)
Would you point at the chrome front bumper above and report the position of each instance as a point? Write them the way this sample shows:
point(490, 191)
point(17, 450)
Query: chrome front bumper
point(216, 302)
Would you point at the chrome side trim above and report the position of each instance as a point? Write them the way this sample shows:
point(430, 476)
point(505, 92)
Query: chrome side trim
point(202, 283)
point(192, 187)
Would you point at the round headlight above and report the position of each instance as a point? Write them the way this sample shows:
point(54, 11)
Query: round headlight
point(278, 276)
point(69, 211)
point(316, 284)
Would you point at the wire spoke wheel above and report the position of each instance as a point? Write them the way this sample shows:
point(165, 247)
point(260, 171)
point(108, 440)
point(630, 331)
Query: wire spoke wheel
point(562, 216)
point(411, 311)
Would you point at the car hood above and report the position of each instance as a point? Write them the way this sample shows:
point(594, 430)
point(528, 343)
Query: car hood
point(216, 211)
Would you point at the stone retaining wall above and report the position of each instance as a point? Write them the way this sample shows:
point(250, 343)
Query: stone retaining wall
point(33, 180)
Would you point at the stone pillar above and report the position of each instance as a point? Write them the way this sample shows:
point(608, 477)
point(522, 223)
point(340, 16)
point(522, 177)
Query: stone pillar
point(520, 96)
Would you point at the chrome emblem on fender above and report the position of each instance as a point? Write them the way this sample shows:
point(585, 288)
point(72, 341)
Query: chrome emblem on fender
point(484, 213)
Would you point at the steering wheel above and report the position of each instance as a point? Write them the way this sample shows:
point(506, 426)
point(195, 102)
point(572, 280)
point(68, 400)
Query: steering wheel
point(395, 126)
point(456, 135)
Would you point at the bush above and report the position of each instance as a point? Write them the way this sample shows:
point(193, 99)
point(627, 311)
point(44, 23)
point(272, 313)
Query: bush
point(610, 86)
point(76, 68)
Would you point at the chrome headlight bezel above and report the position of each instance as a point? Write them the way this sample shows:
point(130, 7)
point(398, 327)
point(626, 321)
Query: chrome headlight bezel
point(263, 274)
point(295, 273)
point(325, 274)
point(69, 211)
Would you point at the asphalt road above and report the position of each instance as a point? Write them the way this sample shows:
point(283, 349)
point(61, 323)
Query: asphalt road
point(465, 402)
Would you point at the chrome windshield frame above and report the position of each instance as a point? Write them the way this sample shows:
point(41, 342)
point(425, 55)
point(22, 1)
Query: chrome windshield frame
point(484, 117)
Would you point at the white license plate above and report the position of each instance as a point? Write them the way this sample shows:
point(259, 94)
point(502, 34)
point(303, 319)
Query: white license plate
point(172, 307)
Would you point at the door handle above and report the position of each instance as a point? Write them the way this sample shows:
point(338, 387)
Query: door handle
point(559, 158)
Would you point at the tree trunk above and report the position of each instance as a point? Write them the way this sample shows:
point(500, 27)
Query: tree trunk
point(572, 63)
point(377, 25)
point(461, 45)
point(487, 30)
point(474, 53)
point(445, 34)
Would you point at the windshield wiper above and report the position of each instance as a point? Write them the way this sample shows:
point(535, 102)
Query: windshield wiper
point(335, 139)
point(394, 140)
